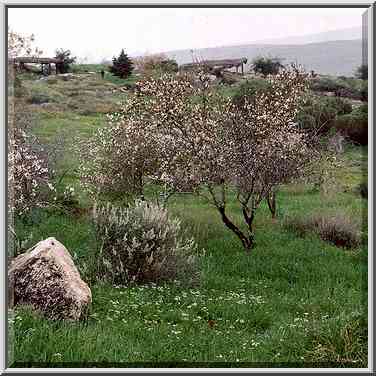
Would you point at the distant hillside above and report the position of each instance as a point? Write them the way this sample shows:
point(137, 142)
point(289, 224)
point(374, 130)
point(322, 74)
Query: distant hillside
point(339, 57)
point(349, 33)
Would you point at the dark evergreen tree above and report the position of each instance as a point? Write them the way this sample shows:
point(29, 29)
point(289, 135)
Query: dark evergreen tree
point(121, 66)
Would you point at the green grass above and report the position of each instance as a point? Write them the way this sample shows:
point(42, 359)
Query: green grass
point(297, 302)
point(83, 68)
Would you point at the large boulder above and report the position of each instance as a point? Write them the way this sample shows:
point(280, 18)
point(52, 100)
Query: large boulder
point(46, 278)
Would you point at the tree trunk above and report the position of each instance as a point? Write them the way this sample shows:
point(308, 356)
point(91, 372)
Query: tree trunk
point(247, 241)
point(271, 200)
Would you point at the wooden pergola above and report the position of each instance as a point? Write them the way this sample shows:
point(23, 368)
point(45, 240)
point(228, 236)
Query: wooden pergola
point(217, 65)
point(45, 62)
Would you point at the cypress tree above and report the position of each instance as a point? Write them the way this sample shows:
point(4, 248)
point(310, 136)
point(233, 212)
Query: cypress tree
point(121, 66)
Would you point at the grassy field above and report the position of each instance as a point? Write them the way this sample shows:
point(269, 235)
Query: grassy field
point(294, 302)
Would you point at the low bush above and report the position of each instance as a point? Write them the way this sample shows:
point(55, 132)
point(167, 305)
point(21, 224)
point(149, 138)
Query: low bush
point(337, 229)
point(343, 87)
point(319, 113)
point(325, 84)
point(158, 62)
point(143, 244)
point(353, 126)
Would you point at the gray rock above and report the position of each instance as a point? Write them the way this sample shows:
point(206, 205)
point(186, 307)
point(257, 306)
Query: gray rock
point(46, 278)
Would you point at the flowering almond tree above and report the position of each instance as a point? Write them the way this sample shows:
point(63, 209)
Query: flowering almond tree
point(202, 142)
point(28, 172)
point(21, 45)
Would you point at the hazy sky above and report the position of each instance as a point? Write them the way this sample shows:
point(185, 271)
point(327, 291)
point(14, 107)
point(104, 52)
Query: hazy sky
point(101, 33)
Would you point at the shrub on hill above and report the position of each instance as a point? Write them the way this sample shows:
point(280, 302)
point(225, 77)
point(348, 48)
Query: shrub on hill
point(353, 126)
point(155, 63)
point(347, 87)
point(142, 243)
point(319, 113)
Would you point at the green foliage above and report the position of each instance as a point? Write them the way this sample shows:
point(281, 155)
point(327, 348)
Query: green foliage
point(161, 66)
point(324, 114)
point(121, 66)
point(248, 90)
point(67, 60)
point(325, 84)
point(155, 64)
point(319, 112)
point(347, 87)
point(85, 68)
point(142, 244)
point(267, 65)
point(354, 126)
point(169, 66)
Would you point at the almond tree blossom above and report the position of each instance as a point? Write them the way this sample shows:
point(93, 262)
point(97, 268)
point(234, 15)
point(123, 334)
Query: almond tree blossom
point(194, 138)
point(28, 172)
point(21, 45)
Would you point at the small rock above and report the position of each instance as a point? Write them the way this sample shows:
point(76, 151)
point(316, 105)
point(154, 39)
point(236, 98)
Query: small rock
point(46, 278)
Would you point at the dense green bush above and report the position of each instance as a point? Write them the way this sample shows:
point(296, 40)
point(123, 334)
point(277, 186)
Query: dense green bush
point(168, 66)
point(319, 113)
point(354, 126)
point(325, 84)
point(143, 244)
point(325, 114)
point(346, 87)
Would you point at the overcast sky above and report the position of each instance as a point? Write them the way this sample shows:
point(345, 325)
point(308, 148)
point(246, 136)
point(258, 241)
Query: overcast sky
point(101, 33)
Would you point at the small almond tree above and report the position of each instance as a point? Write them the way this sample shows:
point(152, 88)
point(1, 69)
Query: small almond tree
point(204, 143)
point(21, 45)
point(28, 172)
